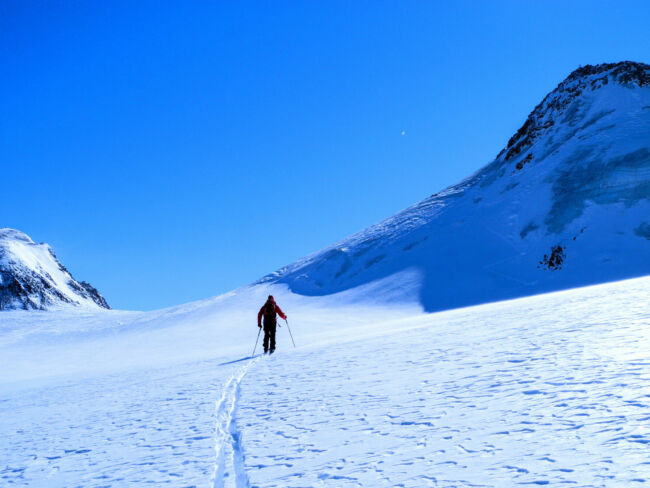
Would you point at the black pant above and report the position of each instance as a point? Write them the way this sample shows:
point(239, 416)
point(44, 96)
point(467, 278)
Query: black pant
point(269, 335)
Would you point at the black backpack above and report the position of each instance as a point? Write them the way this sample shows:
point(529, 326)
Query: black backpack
point(269, 311)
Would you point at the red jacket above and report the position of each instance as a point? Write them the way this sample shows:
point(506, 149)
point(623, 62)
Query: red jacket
point(277, 310)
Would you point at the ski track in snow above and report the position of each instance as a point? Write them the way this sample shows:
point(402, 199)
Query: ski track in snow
point(229, 468)
point(149, 427)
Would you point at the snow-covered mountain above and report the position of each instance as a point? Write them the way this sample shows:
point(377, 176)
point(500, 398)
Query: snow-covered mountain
point(31, 277)
point(566, 203)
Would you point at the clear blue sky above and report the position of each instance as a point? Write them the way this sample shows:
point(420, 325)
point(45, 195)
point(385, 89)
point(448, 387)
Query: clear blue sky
point(172, 151)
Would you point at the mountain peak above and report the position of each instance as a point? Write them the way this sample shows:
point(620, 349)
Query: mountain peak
point(553, 107)
point(31, 277)
point(565, 204)
point(621, 72)
point(7, 233)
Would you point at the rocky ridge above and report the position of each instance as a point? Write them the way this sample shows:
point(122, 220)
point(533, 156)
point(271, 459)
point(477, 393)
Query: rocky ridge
point(32, 278)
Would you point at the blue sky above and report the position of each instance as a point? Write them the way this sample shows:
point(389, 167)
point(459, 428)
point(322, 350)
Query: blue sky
point(172, 151)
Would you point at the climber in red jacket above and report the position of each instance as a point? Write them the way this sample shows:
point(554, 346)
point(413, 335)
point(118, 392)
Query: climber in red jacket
point(269, 311)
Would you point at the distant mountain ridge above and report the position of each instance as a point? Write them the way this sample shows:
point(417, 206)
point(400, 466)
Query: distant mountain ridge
point(566, 203)
point(32, 278)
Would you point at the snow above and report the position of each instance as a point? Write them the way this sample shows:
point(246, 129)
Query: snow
point(551, 389)
point(46, 345)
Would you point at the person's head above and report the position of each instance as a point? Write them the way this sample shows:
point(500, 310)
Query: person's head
point(270, 299)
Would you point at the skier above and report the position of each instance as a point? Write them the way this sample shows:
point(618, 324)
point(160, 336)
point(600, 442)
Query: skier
point(269, 311)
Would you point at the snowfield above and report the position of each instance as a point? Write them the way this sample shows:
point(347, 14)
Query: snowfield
point(547, 390)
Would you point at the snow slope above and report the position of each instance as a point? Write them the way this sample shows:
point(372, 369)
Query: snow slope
point(565, 204)
point(31, 277)
point(43, 346)
point(551, 389)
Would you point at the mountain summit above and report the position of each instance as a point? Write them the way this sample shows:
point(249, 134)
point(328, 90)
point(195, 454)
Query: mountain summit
point(32, 278)
point(566, 203)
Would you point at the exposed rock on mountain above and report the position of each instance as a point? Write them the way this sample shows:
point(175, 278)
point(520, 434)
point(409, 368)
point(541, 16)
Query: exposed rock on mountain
point(32, 278)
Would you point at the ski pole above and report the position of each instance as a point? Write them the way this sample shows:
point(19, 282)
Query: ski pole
point(256, 340)
point(289, 329)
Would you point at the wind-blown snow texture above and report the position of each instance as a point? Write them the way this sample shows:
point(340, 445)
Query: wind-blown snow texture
point(552, 389)
point(565, 204)
point(31, 277)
